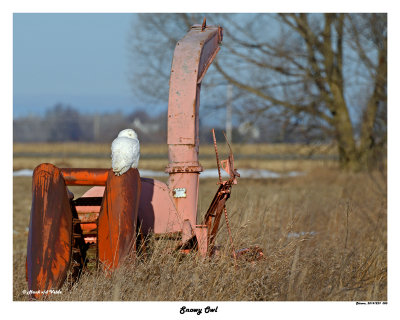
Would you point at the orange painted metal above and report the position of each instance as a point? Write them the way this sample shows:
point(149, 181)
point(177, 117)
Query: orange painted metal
point(112, 225)
point(50, 231)
point(187, 231)
point(118, 218)
point(202, 241)
point(157, 211)
point(251, 254)
point(109, 213)
point(217, 206)
point(192, 57)
point(85, 177)
point(163, 208)
point(90, 213)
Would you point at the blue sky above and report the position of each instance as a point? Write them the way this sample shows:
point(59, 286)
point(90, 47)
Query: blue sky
point(76, 59)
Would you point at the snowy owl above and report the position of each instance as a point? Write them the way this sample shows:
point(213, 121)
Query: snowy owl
point(125, 152)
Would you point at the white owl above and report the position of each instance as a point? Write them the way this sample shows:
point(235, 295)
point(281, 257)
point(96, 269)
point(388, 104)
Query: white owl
point(125, 151)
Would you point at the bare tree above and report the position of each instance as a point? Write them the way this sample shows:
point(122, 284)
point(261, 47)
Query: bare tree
point(325, 71)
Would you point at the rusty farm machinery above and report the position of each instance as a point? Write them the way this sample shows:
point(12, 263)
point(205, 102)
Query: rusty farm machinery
point(106, 221)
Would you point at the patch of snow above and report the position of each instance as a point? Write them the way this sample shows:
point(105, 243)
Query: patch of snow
point(207, 173)
point(301, 234)
point(23, 173)
point(152, 173)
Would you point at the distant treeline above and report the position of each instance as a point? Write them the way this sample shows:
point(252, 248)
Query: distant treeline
point(65, 123)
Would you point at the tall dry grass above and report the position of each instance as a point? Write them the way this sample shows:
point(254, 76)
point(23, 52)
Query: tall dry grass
point(324, 236)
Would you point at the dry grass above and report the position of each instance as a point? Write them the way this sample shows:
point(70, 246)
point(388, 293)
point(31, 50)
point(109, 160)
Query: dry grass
point(343, 256)
point(160, 164)
point(155, 157)
point(96, 148)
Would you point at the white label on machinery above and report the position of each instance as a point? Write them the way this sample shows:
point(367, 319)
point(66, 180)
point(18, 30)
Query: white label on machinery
point(179, 193)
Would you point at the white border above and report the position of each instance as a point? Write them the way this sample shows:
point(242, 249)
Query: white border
point(170, 310)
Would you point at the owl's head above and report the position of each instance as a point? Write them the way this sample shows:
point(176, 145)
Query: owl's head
point(129, 133)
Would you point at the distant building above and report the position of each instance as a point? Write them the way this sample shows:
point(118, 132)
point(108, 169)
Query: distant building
point(146, 128)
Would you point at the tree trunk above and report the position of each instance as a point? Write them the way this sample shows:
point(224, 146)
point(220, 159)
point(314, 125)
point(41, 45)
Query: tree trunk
point(344, 137)
point(367, 143)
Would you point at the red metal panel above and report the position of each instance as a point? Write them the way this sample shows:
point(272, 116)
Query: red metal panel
point(50, 231)
point(118, 217)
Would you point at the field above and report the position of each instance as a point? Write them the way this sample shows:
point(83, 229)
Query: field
point(155, 157)
point(324, 236)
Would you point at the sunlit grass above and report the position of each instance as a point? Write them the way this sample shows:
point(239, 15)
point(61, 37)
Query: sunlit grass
point(324, 236)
